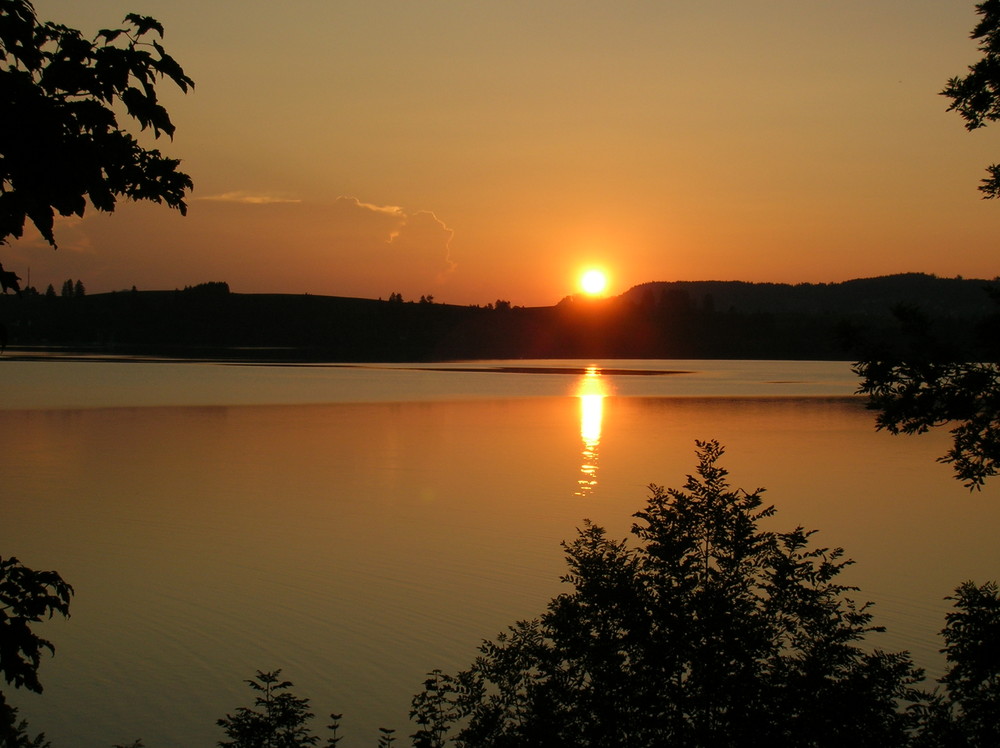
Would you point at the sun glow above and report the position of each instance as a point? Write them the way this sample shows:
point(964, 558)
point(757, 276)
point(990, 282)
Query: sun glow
point(593, 282)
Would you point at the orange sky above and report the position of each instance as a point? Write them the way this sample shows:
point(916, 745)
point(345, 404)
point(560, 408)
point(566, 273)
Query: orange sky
point(484, 149)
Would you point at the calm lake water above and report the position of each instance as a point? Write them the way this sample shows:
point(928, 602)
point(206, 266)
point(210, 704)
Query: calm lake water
point(358, 526)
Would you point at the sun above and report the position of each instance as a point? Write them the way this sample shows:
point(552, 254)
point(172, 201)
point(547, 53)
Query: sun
point(593, 282)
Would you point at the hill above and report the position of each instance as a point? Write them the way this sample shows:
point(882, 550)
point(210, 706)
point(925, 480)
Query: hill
point(680, 319)
point(872, 297)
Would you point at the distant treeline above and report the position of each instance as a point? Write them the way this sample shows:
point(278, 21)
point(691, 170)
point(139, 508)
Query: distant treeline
point(704, 319)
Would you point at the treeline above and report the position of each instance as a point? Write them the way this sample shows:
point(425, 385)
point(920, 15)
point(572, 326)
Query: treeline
point(708, 319)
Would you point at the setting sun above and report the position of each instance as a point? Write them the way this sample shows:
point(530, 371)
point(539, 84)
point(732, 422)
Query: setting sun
point(593, 282)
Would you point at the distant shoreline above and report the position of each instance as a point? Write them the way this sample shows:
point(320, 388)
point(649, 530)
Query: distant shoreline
point(237, 356)
point(657, 321)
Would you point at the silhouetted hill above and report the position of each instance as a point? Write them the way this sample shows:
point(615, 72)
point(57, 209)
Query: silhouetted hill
point(680, 319)
point(862, 297)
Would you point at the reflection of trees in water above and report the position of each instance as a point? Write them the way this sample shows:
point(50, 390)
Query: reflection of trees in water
point(591, 390)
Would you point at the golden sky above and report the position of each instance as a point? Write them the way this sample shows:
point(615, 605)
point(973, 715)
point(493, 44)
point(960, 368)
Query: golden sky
point(476, 149)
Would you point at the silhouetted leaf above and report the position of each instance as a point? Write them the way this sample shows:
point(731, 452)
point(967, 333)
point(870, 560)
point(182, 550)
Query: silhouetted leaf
point(60, 145)
point(144, 24)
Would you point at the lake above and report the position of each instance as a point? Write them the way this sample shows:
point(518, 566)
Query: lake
point(358, 526)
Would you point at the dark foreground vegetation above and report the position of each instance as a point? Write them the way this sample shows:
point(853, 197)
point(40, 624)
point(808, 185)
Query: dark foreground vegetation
point(656, 320)
point(707, 629)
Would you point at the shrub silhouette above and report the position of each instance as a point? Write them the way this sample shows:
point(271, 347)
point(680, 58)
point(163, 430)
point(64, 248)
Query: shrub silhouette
point(27, 597)
point(709, 631)
point(277, 721)
point(967, 711)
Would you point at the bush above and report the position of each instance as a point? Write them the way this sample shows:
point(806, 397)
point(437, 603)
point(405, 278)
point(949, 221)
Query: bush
point(709, 631)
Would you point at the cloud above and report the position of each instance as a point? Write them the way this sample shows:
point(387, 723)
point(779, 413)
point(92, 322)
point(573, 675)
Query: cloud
point(247, 198)
point(400, 246)
point(421, 232)
point(392, 210)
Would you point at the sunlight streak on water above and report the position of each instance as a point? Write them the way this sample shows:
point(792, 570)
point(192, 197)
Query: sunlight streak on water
point(591, 390)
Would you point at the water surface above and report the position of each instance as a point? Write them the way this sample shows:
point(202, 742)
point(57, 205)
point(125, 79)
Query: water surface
point(359, 526)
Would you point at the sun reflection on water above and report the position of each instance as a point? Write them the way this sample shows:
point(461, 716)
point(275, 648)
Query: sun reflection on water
point(591, 390)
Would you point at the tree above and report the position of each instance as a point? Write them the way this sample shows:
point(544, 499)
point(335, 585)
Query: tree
point(27, 597)
point(278, 721)
point(709, 631)
point(925, 386)
point(14, 732)
point(922, 379)
point(967, 712)
point(67, 289)
point(60, 140)
point(433, 712)
point(79, 290)
point(912, 397)
point(976, 97)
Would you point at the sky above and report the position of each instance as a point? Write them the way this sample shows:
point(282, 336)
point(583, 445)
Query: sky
point(476, 150)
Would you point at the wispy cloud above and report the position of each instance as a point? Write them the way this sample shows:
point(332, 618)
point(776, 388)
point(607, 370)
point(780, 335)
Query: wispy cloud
point(248, 198)
point(392, 210)
point(405, 247)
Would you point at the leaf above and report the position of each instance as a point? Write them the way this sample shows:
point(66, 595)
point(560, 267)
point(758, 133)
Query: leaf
point(109, 35)
point(144, 24)
point(167, 66)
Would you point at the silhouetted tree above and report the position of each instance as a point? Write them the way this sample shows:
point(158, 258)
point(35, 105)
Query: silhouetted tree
point(79, 290)
point(433, 711)
point(911, 397)
point(67, 289)
point(50, 292)
point(967, 712)
point(922, 379)
point(277, 721)
point(334, 728)
point(709, 632)
point(976, 97)
point(14, 732)
point(60, 142)
point(27, 597)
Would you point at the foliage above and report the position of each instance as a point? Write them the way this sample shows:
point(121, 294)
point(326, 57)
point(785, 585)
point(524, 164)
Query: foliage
point(967, 712)
point(433, 711)
point(334, 728)
point(27, 597)
point(912, 397)
point(925, 380)
point(710, 631)
point(60, 140)
point(278, 721)
point(976, 97)
point(14, 732)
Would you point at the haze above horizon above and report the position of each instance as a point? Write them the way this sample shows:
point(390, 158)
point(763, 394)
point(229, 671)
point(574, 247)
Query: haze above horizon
point(475, 151)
